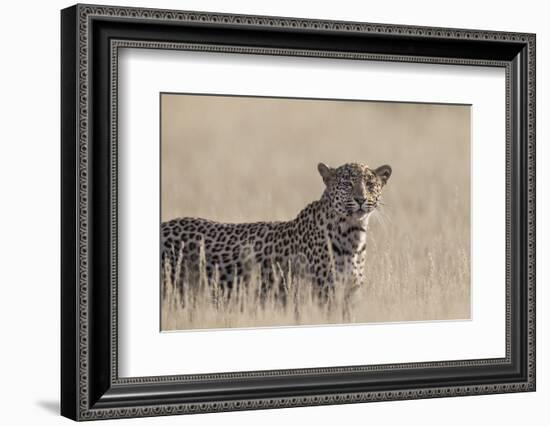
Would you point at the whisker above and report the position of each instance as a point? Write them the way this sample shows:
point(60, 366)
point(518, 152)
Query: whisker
point(382, 217)
point(379, 218)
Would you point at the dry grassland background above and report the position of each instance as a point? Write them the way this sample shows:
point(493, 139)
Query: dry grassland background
point(242, 159)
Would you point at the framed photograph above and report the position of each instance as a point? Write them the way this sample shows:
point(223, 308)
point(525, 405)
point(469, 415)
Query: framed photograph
point(263, 212)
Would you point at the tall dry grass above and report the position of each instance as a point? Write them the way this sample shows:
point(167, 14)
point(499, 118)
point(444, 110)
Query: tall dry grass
point(290, 300)
point(245, 159)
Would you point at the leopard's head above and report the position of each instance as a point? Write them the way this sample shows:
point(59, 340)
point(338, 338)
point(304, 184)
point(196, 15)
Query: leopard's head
point(354, 190)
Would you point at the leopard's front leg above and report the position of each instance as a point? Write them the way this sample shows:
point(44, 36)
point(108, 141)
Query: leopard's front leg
point(352, 284)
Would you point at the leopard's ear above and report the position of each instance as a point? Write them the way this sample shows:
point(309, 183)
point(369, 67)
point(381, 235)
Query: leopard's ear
point(384, 173)
point(326, 172)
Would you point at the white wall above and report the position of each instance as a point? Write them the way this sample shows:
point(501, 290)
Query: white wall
point(29, 225)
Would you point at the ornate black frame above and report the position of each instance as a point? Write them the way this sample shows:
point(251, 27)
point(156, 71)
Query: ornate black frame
point(91, 37)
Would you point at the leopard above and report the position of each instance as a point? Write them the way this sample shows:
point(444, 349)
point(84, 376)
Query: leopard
point(325, 244)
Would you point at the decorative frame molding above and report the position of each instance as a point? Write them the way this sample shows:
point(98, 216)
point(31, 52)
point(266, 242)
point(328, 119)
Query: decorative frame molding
point(91, 37)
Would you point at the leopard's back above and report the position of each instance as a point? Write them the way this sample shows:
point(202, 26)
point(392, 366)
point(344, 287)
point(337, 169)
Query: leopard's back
point(226, 251)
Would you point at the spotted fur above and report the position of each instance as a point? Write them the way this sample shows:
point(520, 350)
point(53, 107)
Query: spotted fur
point(325, 243)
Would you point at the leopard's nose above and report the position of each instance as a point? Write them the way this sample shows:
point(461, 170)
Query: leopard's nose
point(360, 200)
